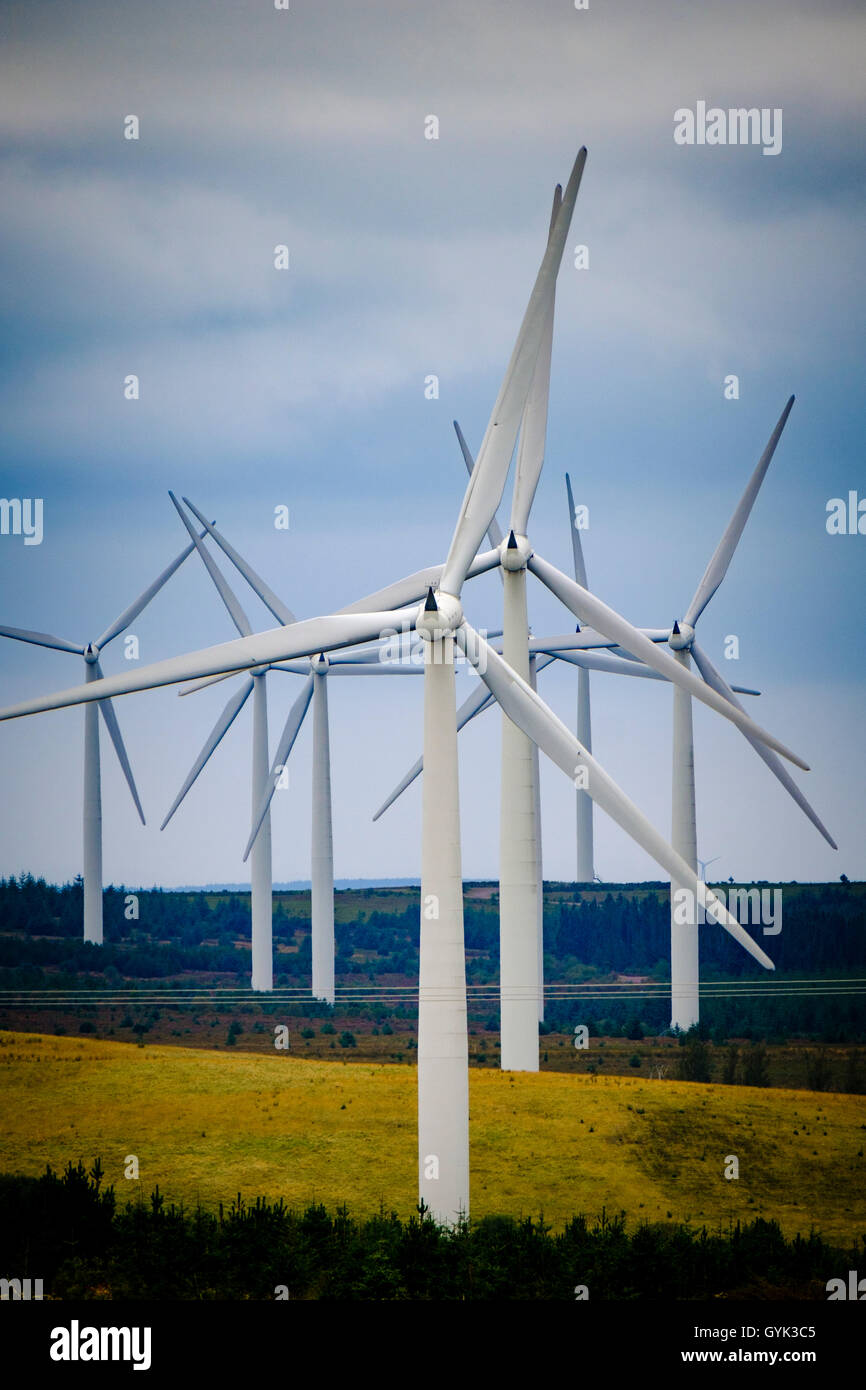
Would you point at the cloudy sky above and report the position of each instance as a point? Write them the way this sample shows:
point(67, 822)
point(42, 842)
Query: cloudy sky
point(305, 387)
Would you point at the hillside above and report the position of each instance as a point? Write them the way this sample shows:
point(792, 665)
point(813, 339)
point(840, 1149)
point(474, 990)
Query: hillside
point(206, 1125)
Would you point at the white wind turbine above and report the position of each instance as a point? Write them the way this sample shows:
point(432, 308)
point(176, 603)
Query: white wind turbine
point(442, 1034)
point(685, 1007)
point(585, 836)
point(261, 882)
point(265, 782)
point(521, 945)
point(92, 808)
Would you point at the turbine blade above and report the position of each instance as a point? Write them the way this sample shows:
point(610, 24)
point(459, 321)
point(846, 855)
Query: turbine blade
point(533, 426)
point(588, 608)
point(615, 665)
point(529, 712)
point(576, 547)
point(494, 530)
point(285, 745)
point(719, 684)
point(474, 704)
point(261, 649)
point(41, 639)
point(217, 733)
point(718, 566)
point(413, 588)
point(232, 603)
point(206, 681)
point(588, 640)
point(266, 594)
point(131, 613)
point(487, 483)
point(374, 668)
point(107, 710)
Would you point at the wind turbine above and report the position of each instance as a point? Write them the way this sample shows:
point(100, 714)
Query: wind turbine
point(261, 880)
point(92, 808)
point(314, 692)
point(685, 1007)
point(442, 1034)
point(521, 949)
point(704, 864)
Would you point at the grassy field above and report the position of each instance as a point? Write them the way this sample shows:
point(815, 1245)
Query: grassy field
point(206, 1125)
point(206, 1025)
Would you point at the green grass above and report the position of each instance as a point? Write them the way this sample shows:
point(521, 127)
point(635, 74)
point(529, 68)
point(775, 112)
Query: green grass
point(206, 1125)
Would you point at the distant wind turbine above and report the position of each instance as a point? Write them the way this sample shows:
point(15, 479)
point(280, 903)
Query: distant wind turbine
point(685, 1007)
point(92, 809)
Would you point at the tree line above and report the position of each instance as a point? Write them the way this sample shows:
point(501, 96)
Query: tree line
point(70, 1231)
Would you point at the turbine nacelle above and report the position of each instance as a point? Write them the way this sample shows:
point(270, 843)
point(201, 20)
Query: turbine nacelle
point(439, 615)
point(515, 552)
point(681, 638)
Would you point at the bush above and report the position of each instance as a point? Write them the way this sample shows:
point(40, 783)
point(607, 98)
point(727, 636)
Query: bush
point(694, 1062)
point(729, 1070)
point(308, 1032)
point(634, 1060)
point(755, 1066)
point(854, 1080)
point(347, 1040)
point(328, 1028)
point(818, 1070)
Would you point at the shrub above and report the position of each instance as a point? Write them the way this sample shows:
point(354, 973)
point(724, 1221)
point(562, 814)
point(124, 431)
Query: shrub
point(755, 1066)
point(818, 1070)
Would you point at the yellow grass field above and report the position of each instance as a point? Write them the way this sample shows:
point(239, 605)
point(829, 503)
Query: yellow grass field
point(207, 1125)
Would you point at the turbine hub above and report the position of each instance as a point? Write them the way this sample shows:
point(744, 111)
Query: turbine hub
point(439, 615)
point(681, 638)
point(515, 552)
point(319, 663)
point(91, 653)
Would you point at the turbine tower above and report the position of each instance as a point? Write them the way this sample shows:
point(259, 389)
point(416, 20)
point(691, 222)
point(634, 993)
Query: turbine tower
point(520, 930)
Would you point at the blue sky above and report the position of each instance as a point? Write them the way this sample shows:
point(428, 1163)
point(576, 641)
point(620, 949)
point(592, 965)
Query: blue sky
point(305, 387)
